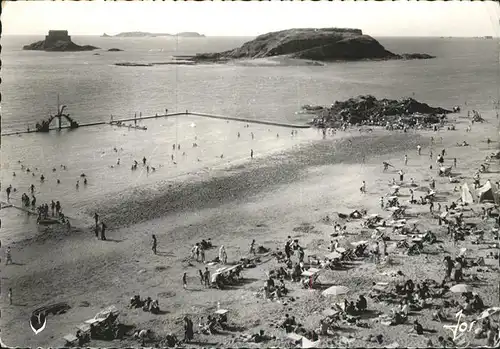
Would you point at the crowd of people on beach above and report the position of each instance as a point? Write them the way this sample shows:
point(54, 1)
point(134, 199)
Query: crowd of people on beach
point(292, 272)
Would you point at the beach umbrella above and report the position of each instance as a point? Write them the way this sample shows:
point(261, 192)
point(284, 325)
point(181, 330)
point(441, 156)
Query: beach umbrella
point(461, 288)
point(333, 255)
point(335, 291)
point(357, 243)
point(488, 312)
point(330, 312)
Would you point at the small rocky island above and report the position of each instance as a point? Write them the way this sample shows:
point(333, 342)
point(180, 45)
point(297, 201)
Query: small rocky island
point(114, 49)
point(58, 40)
point(370, 111)
point(152, 35)
point(326, 44)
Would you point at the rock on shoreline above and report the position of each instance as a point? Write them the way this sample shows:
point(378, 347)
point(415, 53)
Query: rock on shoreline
point(326, 44)
point(368, 110)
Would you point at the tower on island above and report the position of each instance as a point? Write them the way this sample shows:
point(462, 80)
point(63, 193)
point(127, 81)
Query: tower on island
point(57, 35)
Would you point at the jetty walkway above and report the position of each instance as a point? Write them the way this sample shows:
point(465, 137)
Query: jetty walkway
point(206, 115)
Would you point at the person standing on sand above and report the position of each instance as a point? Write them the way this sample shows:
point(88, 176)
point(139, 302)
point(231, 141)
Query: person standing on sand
point(8, 190)
point(206, 276)
point(381, 202)
point(154, 244)
point(202, 254)
point(103, 231)
point(401, 175)
point(202, 278)
point(455, 162)
point(406, 159)
point(188, 330)
point(251, 153)
point(252, 247)
point(10, 296)
point(96, 218)
point(419, 149)
point(363, 188)
point(184, 281)
point(8, 256)
point(52, 207)
point(144, 161)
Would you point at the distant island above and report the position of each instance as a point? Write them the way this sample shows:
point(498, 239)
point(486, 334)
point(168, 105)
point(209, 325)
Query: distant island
point(151, 35)
point(105, 35)
point(326, 44)
point(114, 50)
point(58, 40)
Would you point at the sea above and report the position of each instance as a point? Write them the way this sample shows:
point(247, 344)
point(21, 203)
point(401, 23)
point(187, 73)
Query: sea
point(466, 72)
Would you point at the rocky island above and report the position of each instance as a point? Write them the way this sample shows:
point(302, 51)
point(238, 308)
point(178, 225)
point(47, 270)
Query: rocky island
point(326, 44)
point(58, 40)
point(146, 34)
point(370, 111)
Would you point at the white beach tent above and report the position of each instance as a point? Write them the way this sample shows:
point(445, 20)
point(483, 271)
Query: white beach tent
point(487, 193)
point(466, 197)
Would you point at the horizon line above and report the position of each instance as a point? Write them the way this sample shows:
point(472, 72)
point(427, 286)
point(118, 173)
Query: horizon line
point(249, 36)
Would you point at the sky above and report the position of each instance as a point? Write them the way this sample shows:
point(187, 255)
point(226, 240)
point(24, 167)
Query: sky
point(238, 18)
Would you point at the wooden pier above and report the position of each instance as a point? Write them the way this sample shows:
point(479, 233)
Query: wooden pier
point(206, 115)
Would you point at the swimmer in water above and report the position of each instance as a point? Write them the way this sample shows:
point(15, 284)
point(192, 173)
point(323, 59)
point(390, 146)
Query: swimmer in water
point(238, 135)
point(144, 160)
point(183, 153)
point(42, 178)
point(221, 156)
point(77, 184)
point(147, 169)
point(58, 181)
point(32, 188)
point(13, 174)
point(54, 169)
point(251, 133)
point(118, 161)
point(85, 181)
point(277, 135)
point(172, 157)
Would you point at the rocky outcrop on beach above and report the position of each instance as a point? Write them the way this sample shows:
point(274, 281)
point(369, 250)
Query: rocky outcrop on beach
point(368, 110)
point(326, 44)
point(58, 40)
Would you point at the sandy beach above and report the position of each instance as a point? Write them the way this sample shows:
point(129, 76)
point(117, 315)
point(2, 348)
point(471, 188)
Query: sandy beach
point(268, 199)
